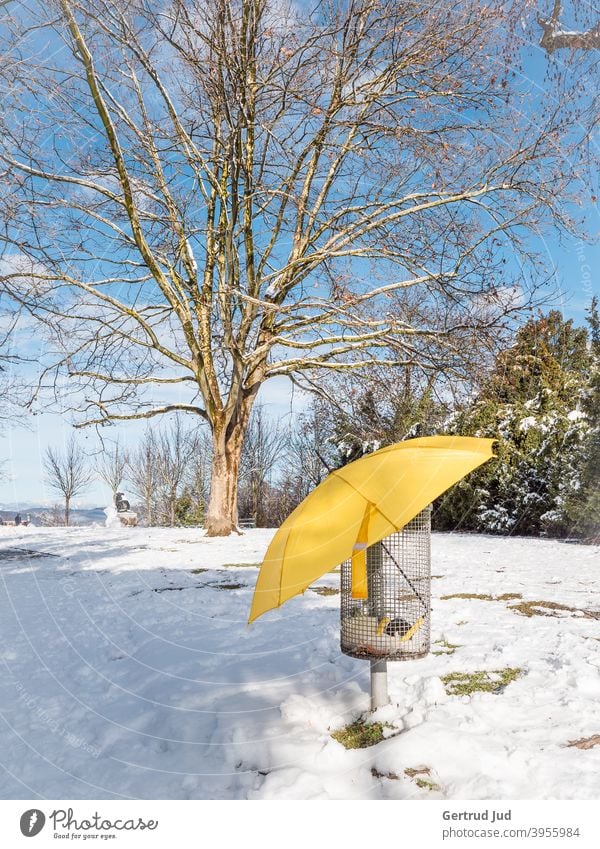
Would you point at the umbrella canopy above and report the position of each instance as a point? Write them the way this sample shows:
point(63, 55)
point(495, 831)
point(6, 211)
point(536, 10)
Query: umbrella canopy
point(358, 505)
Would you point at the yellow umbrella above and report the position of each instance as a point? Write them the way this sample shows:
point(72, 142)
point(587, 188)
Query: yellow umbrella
point(358, 505)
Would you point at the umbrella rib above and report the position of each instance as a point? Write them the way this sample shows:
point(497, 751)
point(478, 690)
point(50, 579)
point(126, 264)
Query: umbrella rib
point(376, 506)
point(385, 548)
point(285, 545)
point(403, 573)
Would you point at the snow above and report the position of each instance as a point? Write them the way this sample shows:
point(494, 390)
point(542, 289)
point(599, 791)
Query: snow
point(273, 288)
point(127, 675)
point(112, 517)
point(527, 423)
point(190, 256)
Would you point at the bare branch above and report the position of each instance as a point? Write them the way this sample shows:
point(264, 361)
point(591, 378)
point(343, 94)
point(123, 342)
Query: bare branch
point(555, 37)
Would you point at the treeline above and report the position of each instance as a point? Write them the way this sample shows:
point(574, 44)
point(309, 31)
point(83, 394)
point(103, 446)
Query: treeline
point(539, 398)
point(166, 477)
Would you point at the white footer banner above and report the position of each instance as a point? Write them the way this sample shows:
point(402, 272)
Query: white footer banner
point(183, 824)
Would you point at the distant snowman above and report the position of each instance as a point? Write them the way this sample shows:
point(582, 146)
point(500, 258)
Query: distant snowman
point(112, 517)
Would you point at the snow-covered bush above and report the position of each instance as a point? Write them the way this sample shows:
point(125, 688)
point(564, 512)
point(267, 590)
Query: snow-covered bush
point(534, 403)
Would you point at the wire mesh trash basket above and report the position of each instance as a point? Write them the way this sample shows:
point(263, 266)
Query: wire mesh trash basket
point(393, 622)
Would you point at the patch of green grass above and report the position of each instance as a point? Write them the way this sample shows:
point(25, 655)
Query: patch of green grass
point(483, 596)
point(411, 771)
point(466, 683)
point(199, 571)
point(325, 590)
point(391, 775)
point(423, 783)
point(541, 608)
point(426, 784)
point(240, 566)
point(359, 734)
point(445, 647)
point(480, 596)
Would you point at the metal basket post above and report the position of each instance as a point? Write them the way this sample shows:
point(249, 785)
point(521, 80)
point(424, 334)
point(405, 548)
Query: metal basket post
point(393, 623)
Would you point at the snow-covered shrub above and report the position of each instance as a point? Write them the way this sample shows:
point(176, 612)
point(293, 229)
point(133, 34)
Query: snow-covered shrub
point(534, 404)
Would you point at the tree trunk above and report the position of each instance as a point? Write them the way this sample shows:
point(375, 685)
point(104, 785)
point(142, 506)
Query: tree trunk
point(67, 510)
point(173, 508)
point(149, 516)
point(221, 516)
point(222, 512)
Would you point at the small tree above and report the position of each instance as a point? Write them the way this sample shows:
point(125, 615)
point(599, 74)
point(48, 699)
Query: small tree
point(175, 450)
point(68, 472)
point(12, 395)
point(52, 518)
point(194, 499)
point(387, 411)
point(264, 445)
point(112, 466)
point(169, 472)
point(143, 474)
point(312, 452)
point(189, 511)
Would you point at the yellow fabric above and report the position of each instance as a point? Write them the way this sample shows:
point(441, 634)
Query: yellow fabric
point(396, 482)
point(359, 558)
point(383, 623)
point(412, 631)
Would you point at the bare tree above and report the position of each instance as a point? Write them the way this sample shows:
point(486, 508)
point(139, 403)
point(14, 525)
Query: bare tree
point(168, 461)
point(197, 484)
point(112, 465)
point(175, 449)
point(263, 447)
point(309, 455)
point(555, 36)
point(7, 381)
point(52, 518)
point(68, 472)
point(143, 474)
point(235, 189)
point(311, 451)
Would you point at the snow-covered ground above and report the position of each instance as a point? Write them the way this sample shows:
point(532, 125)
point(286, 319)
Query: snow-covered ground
point(127, 673)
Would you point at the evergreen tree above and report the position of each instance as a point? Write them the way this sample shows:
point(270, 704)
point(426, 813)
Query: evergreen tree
point(583, 508)
point(534, 404)
point(189, 508)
